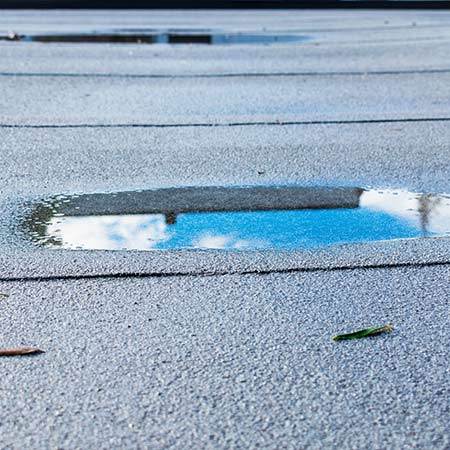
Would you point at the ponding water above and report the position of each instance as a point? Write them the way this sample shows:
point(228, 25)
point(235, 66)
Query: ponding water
point(157, 37)
point(239, 218)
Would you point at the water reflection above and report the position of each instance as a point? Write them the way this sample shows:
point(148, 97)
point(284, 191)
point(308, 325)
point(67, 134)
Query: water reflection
point(427, 206)
point(159, 37)
point(426, 212)
point(356, 216)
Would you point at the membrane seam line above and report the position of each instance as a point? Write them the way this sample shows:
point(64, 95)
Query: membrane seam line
point(226, 75)
point(231, 124)
point(122, 275)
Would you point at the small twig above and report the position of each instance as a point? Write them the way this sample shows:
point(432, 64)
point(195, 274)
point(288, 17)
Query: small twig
point(4, 294)
point(20, 351)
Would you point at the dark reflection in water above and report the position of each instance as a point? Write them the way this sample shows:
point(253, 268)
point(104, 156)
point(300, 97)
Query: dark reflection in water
point(261, 217)
point(427, 206)
point(158, 37)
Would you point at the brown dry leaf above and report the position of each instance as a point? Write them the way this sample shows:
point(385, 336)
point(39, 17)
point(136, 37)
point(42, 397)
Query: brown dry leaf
point(20, 351)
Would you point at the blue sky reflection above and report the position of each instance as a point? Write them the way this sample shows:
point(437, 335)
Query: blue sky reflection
point(381, 216)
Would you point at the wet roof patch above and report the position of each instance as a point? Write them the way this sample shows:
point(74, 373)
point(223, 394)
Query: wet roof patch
point(239, 218)
point(157, 37)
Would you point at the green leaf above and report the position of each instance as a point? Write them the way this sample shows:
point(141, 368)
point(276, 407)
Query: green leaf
point(363, 333)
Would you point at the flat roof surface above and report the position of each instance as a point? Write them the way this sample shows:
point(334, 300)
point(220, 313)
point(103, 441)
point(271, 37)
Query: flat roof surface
point(210, 349)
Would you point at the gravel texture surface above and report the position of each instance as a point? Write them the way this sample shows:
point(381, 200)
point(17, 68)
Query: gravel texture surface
point(210, 349)
point(132, 101)
point(228, 362)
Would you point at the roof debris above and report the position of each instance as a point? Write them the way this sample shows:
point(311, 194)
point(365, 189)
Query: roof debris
point(20, 351)
point(364, 333)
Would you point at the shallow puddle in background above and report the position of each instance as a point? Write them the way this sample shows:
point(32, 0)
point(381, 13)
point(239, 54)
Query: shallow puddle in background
point(158, 37)
point(241, 218)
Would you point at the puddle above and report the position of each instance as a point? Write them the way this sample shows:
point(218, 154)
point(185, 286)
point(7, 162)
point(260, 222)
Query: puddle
point(158, 37)
point(261, 217)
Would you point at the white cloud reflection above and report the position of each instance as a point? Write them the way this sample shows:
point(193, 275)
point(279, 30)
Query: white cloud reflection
point(410, 206)
point(230, 241)
point(138, 231)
